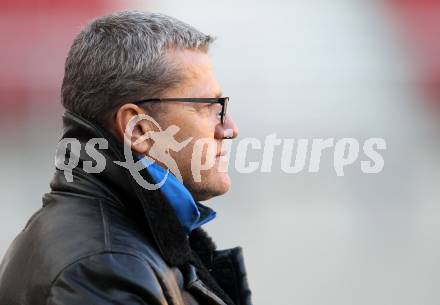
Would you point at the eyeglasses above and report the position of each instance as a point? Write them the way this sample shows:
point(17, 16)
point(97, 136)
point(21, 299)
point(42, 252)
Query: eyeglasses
point(213, 100)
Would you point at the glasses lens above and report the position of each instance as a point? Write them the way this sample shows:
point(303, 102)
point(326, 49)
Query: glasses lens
point(224, 110)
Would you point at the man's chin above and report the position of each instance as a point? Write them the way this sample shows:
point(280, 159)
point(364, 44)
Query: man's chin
point(215, 185)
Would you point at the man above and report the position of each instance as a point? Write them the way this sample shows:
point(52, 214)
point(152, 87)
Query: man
point(101, 237)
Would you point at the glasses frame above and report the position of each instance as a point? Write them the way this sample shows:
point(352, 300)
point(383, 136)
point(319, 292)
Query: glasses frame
point(211, 100)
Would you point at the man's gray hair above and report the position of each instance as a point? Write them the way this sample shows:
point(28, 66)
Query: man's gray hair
point(123, 57)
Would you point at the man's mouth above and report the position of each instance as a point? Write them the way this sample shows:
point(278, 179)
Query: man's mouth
point(221, 154)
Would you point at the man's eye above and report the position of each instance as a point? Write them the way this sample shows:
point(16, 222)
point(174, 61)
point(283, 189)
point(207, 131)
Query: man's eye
point(217, 110)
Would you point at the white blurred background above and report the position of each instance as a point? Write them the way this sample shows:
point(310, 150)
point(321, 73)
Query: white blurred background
point(300, 69)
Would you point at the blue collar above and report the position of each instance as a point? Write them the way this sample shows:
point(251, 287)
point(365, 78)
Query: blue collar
point(190, 213)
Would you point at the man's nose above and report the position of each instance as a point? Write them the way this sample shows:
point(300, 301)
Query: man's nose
point(226, 130)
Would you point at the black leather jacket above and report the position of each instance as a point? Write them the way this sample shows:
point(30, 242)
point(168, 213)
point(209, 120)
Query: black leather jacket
point(103, 239)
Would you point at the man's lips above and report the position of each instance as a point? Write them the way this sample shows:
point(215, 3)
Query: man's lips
point(222, 153)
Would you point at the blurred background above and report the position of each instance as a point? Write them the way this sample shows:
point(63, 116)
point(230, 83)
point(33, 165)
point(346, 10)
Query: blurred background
point(300, 69)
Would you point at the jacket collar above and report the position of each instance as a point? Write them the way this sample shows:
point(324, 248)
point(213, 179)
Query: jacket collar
point(191, 214)
point(117, 184)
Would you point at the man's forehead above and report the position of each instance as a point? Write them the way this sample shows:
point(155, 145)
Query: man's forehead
point(204, 88)
point(199, 75)
point(191, 58)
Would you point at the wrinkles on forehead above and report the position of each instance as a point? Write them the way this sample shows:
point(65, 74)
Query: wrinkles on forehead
point(198, 79)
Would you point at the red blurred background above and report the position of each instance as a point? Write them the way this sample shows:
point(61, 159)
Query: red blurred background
point(419, 21)
point(35, 37)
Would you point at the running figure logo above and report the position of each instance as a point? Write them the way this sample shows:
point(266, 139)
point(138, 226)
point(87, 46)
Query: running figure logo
point(164, 141)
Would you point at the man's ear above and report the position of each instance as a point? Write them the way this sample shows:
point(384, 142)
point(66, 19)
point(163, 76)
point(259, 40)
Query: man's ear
point(130, 127)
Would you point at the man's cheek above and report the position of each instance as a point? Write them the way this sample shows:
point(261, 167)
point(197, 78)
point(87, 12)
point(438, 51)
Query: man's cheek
point(203, 157)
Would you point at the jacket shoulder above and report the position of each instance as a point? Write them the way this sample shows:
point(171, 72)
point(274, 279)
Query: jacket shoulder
point(107, 278)
point(69, 230)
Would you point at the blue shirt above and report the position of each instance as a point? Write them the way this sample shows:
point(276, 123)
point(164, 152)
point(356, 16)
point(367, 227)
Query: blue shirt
point(190, 213)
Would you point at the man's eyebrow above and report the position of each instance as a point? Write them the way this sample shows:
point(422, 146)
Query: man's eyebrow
point(219, 94)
